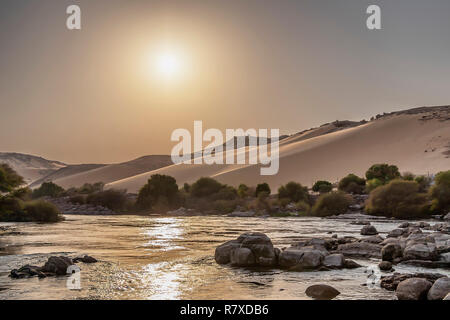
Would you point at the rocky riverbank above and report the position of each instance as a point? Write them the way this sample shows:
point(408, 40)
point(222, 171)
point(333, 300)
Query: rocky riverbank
point(418, 244)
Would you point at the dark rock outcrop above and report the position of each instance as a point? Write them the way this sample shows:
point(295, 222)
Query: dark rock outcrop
point(322, 292)
point(413, 289)
point(440, 289)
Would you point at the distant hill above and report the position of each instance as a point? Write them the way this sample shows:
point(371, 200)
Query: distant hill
point(30, 167)
point(416, 140)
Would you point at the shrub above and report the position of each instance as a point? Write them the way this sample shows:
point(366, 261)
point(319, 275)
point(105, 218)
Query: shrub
point(303, 208)
point(225, 206)
point(9, 179)
point(408, 176)
point(322, 186)
point(383, 172)
point(293, 191)
point(440, 192)
point(352, 184)
point(243, 191)
point(89, 188)
point(225, 193)
point(22, 194)
point(48, 189)
point(398, 199)
point(424, 183)
point(112, 199)
point(187, 187)
point(205, 187)
point(262, 188)
point(373, 184)
point(333, 203)
point(9, 206)
point(42, 211)
point(159, 188)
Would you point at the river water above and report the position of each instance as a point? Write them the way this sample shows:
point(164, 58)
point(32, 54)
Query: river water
point(173, 258)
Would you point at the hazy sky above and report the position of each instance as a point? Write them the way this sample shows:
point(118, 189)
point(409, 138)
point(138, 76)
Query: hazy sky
point(95, 95)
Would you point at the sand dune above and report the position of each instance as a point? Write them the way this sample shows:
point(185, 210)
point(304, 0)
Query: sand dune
point(417, 140)
point(113, 172)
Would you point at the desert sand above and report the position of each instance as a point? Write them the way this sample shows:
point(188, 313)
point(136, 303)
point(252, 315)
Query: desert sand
point(416, 140)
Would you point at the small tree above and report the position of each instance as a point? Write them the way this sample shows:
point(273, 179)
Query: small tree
point(262, 187)
point(48, 189)
point(440, 192)
point(293, 191)
point(332, 203)
point(112, 199)
point(398, 199)
point(205, 187)
point(243, 191)
point(352, 184)
point(383, 172)
point(322, 186)
point(159, 188)
point(373, 184)
point(9, 179)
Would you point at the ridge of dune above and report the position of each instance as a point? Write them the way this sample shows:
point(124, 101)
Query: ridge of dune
point(113, 172)
point(416, 140)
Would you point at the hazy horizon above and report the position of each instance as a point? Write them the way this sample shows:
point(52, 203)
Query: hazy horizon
point(93, 96)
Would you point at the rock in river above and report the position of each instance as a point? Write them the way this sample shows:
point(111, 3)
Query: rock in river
point(391, 251)
point(413, 289)
point(369, 231)
point(322, 292)
point(440, 289)
point(57, 265)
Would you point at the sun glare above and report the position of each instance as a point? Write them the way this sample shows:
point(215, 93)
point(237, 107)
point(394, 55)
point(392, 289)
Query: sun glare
point(168, 65)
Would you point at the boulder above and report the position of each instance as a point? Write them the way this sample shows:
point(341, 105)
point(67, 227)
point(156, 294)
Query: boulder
point(385, 266)
point(242, 257)
point(85, 259)
point(261, 247)
point(26, 272)
point(391, 251)
point(404, 225)
point(396, 233)
point(420, 251)
point(334, 261)
point(350, 264)
point(369, 230)
point(373, 239)
point(322, 292)
point(391, 282)
point(360, 249)
point(440, 289)
point(223, 252)
point(413, 289)
point(57, 265)
point(300, 259)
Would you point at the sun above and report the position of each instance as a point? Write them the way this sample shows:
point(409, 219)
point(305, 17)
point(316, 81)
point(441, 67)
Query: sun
point(168, 65)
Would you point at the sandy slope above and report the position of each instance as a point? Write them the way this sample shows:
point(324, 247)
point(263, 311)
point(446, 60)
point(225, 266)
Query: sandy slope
point(113, 172)
point(417, 142)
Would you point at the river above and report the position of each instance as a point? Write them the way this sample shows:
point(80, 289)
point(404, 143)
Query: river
point(158, 257)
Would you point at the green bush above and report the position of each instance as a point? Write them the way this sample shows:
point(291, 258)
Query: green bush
point(9, 179)
point(89, 188)
point(373, 184)
point(112, 199)
point(330, 204)
point(42, 211)
point(205, 187)
point(159, 189)
point(243, 191)
point(225, 193)
point(303, 208)
point(15, 210)
point(440, 193)
point(408, 176)
point(399, 199)
point(48, 189)
point(383, 172)
point(352, 184)
point(294, 192)
point(424, 183)
point(262, 188)
point(322, 186)
point(187, 187)
point(24, 194)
